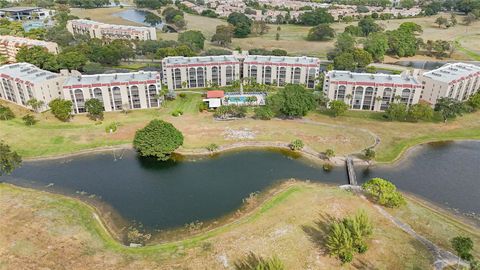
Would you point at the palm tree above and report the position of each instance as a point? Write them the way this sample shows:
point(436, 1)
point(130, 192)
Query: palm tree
point(349, 98)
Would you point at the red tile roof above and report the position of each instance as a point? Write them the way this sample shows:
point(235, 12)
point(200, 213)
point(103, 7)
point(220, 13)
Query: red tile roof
point(215, 94)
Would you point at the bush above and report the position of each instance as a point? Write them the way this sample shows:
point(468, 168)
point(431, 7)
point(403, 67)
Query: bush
point(254, 262)
point(327, 167)
point(182, 95)
point(329, 153)
point(369, 153)
point(61, 109)
point(263, 113)
point(112, 127)
point(158, 139)
point(6, 113)
point(202, 106)
point(177, 112)
point(384, 192)
point(212, 147)
point(296, 145)
point(230, 111)
point(29, 120)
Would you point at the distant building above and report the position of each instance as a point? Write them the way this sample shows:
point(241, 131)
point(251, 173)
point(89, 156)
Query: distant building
point(25, 13)
point(214, 98)
point(203, 71)
point(281, 70)
point(455, 80)
point(99, 30)
point(10, 45)
point(22, 82)
point(373, 92)
point(135, 90)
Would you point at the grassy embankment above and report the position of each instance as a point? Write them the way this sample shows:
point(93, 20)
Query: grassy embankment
point(346, 134)
point(293, 37)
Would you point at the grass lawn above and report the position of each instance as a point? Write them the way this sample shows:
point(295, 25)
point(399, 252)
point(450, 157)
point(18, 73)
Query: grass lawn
point(67, 234)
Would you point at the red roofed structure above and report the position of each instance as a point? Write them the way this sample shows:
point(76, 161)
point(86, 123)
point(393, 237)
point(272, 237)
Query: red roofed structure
point(215, 94)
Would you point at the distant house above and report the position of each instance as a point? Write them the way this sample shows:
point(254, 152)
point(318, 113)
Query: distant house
point(214, 98)
point(25, 13)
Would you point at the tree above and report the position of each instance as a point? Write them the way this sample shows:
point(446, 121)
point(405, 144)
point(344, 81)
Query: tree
point(72, 60)
point(158, 139)
point(469, 19)
point(321, 32)
point(29, 120)
point(252, 261)
point(152, 4)
point(420, 111)
point(353, 30)
point(152, 19)
point(38, 56)
point(242, 24)
point(6, 113)
point(315, 17)
point(35, 104)
point(345, 42)
point(170, 13)
point(61, 109)
point(292, 101)
point(260, 27)
point(296, 145)
point(192, 38)
point(329, 153)
point(362, 58)
point(368, 26)
point(467, 6)
point(369, 153)
point(383, 192)
point(453, 19)
point(449, 108)
point(223, 35)
point(396, 112)
point(441, 21)
point(474, 101)
point(9, 160)
point(402, 42)
point(412, 27)
point(344, 61)
point(209, 13)
point(408, 4)
point(377, 45)
point(263, 113)
point(179, 22)
point(94, 108)
point(463, 246)
point(337, 107)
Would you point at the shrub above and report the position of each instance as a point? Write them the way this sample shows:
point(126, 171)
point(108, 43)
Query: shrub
point(202, 106)
point(182, 95)
point(296, 145)
point(255, 262)
point(383, 192)
point(337, 107)
point(329, 153)
point(177, 112)
point(94, 108)
point(61, 109)
point(158, 139)
point(327, 167)
point(263, 113)
point(112, 127)
point(29, 120)
point(6, 113)
point(230, 111)
point(136, 236)
point(212, 147)
point(369, 153)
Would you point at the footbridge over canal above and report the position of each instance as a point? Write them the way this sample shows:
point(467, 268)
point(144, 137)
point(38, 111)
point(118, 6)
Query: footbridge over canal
point(352, 177)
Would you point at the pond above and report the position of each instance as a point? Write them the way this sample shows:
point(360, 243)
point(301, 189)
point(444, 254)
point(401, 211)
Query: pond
point(137, 16)
point(163, 195)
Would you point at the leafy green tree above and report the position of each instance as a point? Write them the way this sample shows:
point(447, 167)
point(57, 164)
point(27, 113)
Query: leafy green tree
point(344, 61)
point(296, 145)
point(152, 19)
point(38, 56)
point(368, 25)
point(35, 104)
point(192, 38)
point(315, 17)
point(158, 139)
point(242, 24)
point(72, 60)
point(152, 4)
point(94, 108)
point(411, 27)
point(230, 111)
point(6, 113)
point(449, 108)
point(362, 58)
point(474, 101)
point(263, 113)
point(223, 35)
point(170, 12)
point(396, 112)
point(345, 42)
point(408, 4)
point(420, 111)
point(377, 45)
point(29, 120)
point(340, 242)
point(353, 30)
point(360, 228)
point(9, 160)
point(321, 32)
point(329, 153)
point(463, 246)
point(369, 153)
point(337, 107)
point(93, 68)
point(292, 101)
point(61, 109)
point(402, 43)
point(384, 192)
point(469, 19)
point(467, 6)
point(209, 13)
point(441, 21)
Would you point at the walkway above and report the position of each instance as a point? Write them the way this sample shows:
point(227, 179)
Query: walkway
point(352, 177)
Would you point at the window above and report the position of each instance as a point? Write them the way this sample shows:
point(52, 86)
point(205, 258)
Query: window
point(296, 75)
point(282, 76)
point(267, 75)
point(117, 98)
point(368, 99)
point(21, 93)
point(386, 98)
point(177, 78)
point(357, 98)
point(253, 73)
point(134, 99)
point(341, 92)
point(192, 77)
point(200, 77)
point(79, 100)
point(311, 78)
point(152, 93)
point(215, 76)
point(229, 75)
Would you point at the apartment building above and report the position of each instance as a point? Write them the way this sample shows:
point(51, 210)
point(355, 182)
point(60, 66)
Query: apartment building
point(281, 70)
point(454, 80)
point(373, 92)
point(119, 91)
point(22, 82)
point(203, 71)
point(197, 72)
point(110, 31)
point(10, 45)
